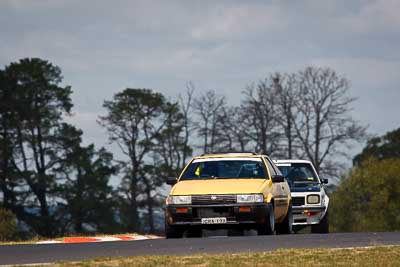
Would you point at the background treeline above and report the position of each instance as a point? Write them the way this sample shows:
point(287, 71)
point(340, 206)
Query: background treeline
point(368, 198)
point(54, 185)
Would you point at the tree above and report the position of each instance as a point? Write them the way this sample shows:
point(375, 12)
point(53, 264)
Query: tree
point(384, 147)
point(207, 107)
point(232, 130)
point(8, 179)
point(152, 178)
point(38, 106)
point(8, 225)
point(83, 178)
point(369, 199)
point(286, 94)
point(261, 123)
point(133, 121)
point(185, 103)
point(324, 126)
point(170, 144)
point(168, 155)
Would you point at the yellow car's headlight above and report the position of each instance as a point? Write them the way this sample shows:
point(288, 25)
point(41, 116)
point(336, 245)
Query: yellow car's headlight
point(177, 200)
point(253, 198)
point(313, 199)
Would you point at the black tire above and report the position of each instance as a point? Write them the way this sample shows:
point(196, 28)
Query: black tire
point(235, 232)
point(173, 231)
point(322, 227)
point(194, 232)
point(286, 227)
point(298, 228)
point(268, 228)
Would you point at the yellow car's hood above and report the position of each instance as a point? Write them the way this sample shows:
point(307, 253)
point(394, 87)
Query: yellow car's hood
point(219, 186)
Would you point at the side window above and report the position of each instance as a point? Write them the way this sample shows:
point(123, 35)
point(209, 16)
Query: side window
point(270, 167)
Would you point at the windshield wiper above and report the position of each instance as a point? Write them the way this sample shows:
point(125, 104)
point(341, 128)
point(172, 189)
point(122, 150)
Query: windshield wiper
point(208, 177)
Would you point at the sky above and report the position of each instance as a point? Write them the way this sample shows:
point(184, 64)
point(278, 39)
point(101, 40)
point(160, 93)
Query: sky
point(103, 47)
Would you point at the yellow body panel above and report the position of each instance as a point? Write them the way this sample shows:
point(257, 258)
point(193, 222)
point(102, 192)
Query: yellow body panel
point(220, 186)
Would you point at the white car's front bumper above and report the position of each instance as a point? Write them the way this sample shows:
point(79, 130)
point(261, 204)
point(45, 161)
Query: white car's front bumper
point(308, 214)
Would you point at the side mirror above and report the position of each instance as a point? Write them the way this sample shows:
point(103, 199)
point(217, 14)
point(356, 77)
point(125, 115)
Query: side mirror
point(278, 178)
point(325, 181)
point(171, 180)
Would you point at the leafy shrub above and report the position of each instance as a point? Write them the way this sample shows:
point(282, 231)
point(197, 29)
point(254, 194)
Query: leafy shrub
point(369, 199)
point(8, 225)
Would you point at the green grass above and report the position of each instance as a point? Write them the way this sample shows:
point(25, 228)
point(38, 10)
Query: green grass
point(373, 256)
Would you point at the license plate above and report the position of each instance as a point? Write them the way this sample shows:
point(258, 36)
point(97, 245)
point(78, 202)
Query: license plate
point(213, 220)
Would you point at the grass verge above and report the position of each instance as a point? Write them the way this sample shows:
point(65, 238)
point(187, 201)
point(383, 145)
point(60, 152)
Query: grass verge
point(373, 256)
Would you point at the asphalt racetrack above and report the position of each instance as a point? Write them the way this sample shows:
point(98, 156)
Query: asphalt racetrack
point(31, 254)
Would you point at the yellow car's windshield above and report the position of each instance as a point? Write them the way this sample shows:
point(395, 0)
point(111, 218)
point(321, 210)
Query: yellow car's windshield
point(225, 169)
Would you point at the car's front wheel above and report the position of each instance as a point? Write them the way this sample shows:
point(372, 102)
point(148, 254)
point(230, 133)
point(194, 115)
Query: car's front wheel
point(268, 228)
point(173, 231)
point(322, 227)
point(286, 226)
point(194, 232)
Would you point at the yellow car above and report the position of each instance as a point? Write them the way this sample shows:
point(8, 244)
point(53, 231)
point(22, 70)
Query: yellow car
point(232, 190)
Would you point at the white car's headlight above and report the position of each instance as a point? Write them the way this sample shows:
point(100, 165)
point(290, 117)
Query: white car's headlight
point(253, 198)
point(176, 200)
point(313, 199)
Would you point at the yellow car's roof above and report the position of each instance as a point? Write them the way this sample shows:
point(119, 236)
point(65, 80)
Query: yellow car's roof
point(229, 155)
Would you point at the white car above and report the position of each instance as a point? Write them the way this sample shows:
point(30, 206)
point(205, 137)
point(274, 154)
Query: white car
point(309, 199)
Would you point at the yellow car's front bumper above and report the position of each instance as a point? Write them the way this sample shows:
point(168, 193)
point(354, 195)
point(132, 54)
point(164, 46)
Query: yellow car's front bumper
point(192, 215)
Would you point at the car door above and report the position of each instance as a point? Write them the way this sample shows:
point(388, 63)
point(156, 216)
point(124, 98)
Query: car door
point(286, 187)
point(280, 191)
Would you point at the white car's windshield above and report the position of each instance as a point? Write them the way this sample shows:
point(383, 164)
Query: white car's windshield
point(298, 174)
point(225, 169)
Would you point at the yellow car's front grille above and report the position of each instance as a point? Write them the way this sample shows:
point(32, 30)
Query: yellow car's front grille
point(215, 212)
point(213, 199)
